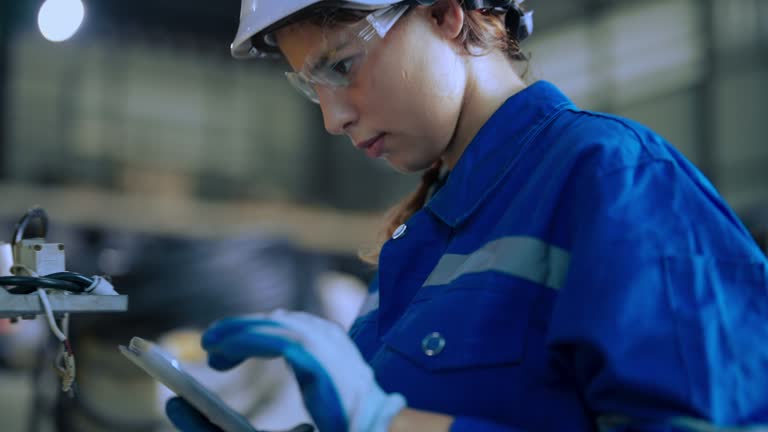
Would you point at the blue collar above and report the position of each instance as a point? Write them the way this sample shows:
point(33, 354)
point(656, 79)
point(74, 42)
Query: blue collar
point(494, 150)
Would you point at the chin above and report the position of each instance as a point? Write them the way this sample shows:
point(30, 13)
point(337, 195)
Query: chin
point(409, 167)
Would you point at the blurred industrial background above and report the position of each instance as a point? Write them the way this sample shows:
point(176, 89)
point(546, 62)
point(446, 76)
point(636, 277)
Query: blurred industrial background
point(167, 164)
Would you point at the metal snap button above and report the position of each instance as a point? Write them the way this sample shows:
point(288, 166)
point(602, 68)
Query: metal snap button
point(399, 232)
point(433, 344)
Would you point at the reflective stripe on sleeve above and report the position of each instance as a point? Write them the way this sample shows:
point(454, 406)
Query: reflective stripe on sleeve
point(524, 257)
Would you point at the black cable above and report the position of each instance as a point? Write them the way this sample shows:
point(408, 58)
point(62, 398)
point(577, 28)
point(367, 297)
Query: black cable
point(35, 213)
point(28, 284)
point(72, 277)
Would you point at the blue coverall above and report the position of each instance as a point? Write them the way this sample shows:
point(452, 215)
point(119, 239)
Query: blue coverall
point(574, 273)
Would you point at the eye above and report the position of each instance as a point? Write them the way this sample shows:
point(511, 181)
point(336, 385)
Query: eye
point(344, 67)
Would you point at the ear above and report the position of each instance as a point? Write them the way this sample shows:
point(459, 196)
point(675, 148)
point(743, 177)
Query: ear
point(448, 17)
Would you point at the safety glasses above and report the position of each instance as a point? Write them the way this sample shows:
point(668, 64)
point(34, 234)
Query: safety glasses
point(343, 53)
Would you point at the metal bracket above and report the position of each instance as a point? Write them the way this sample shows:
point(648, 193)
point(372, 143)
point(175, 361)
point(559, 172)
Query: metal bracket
point(28, 305)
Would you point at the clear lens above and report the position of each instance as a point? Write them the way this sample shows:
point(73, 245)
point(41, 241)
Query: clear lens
point(303, 85)
point(335, 72)
point(335, 67)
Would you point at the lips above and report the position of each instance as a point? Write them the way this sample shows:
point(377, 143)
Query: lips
point(373, 146)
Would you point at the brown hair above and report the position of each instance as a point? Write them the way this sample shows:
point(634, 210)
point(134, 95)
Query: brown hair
point(482, 33)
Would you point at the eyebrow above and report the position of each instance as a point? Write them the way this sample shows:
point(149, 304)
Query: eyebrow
point(325, 58)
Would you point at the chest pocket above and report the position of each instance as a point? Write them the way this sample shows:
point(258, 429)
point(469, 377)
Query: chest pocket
point(480, 321)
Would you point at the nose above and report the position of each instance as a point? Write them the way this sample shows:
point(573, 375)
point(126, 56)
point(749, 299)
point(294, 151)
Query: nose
point(338, 113)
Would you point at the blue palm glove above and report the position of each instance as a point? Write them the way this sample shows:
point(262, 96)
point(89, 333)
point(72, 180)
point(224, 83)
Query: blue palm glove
point(337, 385)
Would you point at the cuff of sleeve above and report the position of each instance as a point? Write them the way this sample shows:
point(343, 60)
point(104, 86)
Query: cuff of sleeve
point(378, 412)
point(467, 424)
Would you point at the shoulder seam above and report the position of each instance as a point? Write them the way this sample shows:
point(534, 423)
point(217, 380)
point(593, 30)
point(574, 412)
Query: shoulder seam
point(652, 156)
point(615, 120)
point(654, 160)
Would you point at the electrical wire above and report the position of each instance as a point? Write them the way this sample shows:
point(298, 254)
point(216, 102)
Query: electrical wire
point(72, 277)
point(28, 285)
point(35, 213)
point(65, 359)
point(63, 281)
point(65, 325)
point(21, 226)
point(49, 315)
point(65, 367)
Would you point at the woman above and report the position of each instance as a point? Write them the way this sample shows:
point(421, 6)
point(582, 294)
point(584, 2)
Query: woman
point(573, 272)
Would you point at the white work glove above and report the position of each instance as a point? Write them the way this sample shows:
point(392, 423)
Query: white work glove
point(337, 385)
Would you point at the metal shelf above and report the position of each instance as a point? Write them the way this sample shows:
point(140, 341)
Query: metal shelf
point(28, 306)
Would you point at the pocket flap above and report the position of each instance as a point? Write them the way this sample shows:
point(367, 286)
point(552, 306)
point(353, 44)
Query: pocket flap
point(463, 329)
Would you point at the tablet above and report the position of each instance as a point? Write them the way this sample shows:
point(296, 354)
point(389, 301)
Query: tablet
point(166, 369)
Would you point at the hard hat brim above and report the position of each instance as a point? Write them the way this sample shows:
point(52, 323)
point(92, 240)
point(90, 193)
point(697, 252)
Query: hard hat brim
point(260, 17)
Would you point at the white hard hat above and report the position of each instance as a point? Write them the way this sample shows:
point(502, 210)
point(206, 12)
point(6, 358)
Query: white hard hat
point(258, 17)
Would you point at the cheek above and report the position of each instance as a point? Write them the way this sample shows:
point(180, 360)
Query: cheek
point(423, 91)
point(426, 75)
